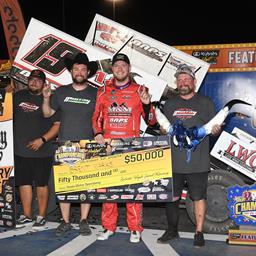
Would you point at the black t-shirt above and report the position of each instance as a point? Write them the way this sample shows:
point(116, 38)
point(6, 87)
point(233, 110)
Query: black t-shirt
point(29, 124)
point(196, 111)
point(76, 108)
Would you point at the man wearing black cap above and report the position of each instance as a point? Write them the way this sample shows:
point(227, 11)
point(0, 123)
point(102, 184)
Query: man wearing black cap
point(76, 103)
point(33, 148)
point(119, 108)
point(192, 109)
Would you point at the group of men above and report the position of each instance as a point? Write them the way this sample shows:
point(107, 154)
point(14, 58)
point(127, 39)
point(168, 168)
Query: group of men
point(79, 111)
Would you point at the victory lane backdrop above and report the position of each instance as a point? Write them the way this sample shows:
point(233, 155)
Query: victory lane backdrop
point(122, 170)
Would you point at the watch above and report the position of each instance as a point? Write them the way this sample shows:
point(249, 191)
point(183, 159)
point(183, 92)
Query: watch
point(43, 139)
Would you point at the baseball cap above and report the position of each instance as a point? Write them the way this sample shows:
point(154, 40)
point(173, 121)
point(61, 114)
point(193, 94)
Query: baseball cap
point(120, 56)
point(184, 69)
point(38, 74)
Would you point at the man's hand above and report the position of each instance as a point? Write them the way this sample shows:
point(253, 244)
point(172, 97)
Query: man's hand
point(100, 138)
point(162, 130)
point(216, 130)
point(35, 144)
point(144, 95)
point(47, 91)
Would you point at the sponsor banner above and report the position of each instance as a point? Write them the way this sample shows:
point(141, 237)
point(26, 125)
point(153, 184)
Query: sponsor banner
point(231, 76)
point(237, 151)
point(6, 131)
point(135, 169)
point(7, 188)
point(161, 60)
point(225, 57)
point(242, 237)
point(13, 24)
point(242, 204)
point(7, 202)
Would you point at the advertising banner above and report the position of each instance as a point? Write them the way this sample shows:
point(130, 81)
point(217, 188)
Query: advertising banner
point(231, 76)
point(135, 169)
point(7, 204)
point(242, 204)
point(13, 24)
point(242, 209)
point(237, 151)
point(225, 57)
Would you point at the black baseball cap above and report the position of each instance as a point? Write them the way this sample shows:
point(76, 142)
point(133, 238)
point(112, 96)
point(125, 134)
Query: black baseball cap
point(120, 56)
point(38, 74)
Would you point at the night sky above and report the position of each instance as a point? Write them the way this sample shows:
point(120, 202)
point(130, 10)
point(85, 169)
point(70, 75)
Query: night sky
point(171, 22)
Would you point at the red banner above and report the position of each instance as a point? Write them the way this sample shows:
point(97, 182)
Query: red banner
point(14, 26)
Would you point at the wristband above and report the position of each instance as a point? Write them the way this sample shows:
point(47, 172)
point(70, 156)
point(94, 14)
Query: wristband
point(98, 134)
point(43, 139)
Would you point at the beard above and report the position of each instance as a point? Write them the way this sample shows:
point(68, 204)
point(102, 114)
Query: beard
point(122, 79)
point(35, 92)
point(185, 90)
point(79, 80)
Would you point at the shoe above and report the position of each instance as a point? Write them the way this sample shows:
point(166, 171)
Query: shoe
point(135, 237)
point(23, 221)
point(199, 239)
point(39, 223)
point(167, 237)
point(84, 228)
point(63, 228)
point(105, 235)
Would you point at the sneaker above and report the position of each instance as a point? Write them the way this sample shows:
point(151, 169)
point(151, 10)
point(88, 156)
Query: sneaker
point(63, 228)
point(135, 237)
point(199, 239)
point(105, 235)
point(167, 237)
point(23, 221)
point(84, 228)
point(39, 223)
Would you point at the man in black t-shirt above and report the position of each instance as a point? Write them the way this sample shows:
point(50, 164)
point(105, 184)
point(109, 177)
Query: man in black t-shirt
point(191, 109)
point(76, 103)
point(33, 148)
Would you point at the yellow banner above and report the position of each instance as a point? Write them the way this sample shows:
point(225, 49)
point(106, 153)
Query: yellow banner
point(6, 108)
point(115, 170)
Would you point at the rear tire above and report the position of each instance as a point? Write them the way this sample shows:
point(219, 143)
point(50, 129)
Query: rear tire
point(216, 219)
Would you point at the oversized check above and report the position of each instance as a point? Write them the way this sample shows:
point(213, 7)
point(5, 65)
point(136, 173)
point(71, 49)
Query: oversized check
point(115, 170)
point(136, 169)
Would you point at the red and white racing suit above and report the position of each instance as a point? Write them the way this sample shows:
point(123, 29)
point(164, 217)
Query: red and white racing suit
point(118, 115)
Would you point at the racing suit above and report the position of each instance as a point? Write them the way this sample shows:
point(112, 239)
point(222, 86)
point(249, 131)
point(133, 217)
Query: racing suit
point(118, 115)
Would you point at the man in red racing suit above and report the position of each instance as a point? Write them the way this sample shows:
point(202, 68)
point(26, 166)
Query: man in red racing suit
point(120, 105)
